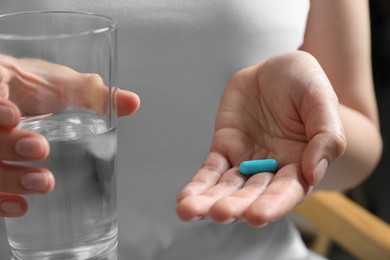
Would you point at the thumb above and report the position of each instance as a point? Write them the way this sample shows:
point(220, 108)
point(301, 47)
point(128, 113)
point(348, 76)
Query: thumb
point(320, 113)
point(89, 91)
point(320, 152)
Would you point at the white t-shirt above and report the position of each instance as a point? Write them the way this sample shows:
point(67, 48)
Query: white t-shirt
point(178, 56)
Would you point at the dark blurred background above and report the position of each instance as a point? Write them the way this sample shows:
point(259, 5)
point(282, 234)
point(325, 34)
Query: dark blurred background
point(375, 192)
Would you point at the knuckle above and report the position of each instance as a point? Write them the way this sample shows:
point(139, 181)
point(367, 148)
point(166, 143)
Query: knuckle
point(94, 79)
point(238, 79)
point(340, 144)
point(4, 75)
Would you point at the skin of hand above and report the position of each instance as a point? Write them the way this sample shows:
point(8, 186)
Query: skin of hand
point(25, 86)
point(321, 100)
point(284, 108)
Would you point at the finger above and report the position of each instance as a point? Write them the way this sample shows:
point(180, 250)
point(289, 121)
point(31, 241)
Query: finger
point(54, 87)
point(324, 130)
point(41, 87)
point(286, 190)
point(21, 145)
point(232, 208)
point(9, 114)
point(19, 179)
point(12, 205)
point(127, 102)
point(196, 206)
point(320, 152)
point(207, 176)
point(89, 91)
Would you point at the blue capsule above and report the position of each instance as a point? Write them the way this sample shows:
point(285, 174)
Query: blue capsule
point(258, 166)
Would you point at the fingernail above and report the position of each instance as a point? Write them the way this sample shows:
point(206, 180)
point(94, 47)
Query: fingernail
point(320, 171)
point(30, 147)
point(261, 226)
point(35, 181)
point(11, 207)
point(8, 115)
point(228, 221)
point(197, 218)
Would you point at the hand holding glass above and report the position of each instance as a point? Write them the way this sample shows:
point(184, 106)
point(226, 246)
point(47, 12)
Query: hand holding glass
point(43, 50)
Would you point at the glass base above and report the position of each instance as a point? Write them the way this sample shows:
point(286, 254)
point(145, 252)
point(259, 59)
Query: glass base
point(106, 251)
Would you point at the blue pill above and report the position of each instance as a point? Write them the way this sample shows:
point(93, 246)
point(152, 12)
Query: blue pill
point(258, 166)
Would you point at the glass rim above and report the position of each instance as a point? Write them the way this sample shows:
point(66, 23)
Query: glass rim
point(111, 25)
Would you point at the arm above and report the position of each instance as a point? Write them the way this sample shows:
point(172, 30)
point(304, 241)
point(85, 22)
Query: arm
point(338, 36)
point(311, 110)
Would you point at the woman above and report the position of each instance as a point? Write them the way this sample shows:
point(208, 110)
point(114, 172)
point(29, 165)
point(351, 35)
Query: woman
point(296, 85)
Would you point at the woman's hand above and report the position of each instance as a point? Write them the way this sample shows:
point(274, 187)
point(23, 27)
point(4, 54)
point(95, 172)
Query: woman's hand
point(284, 108)
point(33, 87)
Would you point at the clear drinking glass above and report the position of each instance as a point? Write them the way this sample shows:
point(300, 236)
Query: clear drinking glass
point(78, 219)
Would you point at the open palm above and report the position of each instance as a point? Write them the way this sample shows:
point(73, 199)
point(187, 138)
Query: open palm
point(285, 109)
